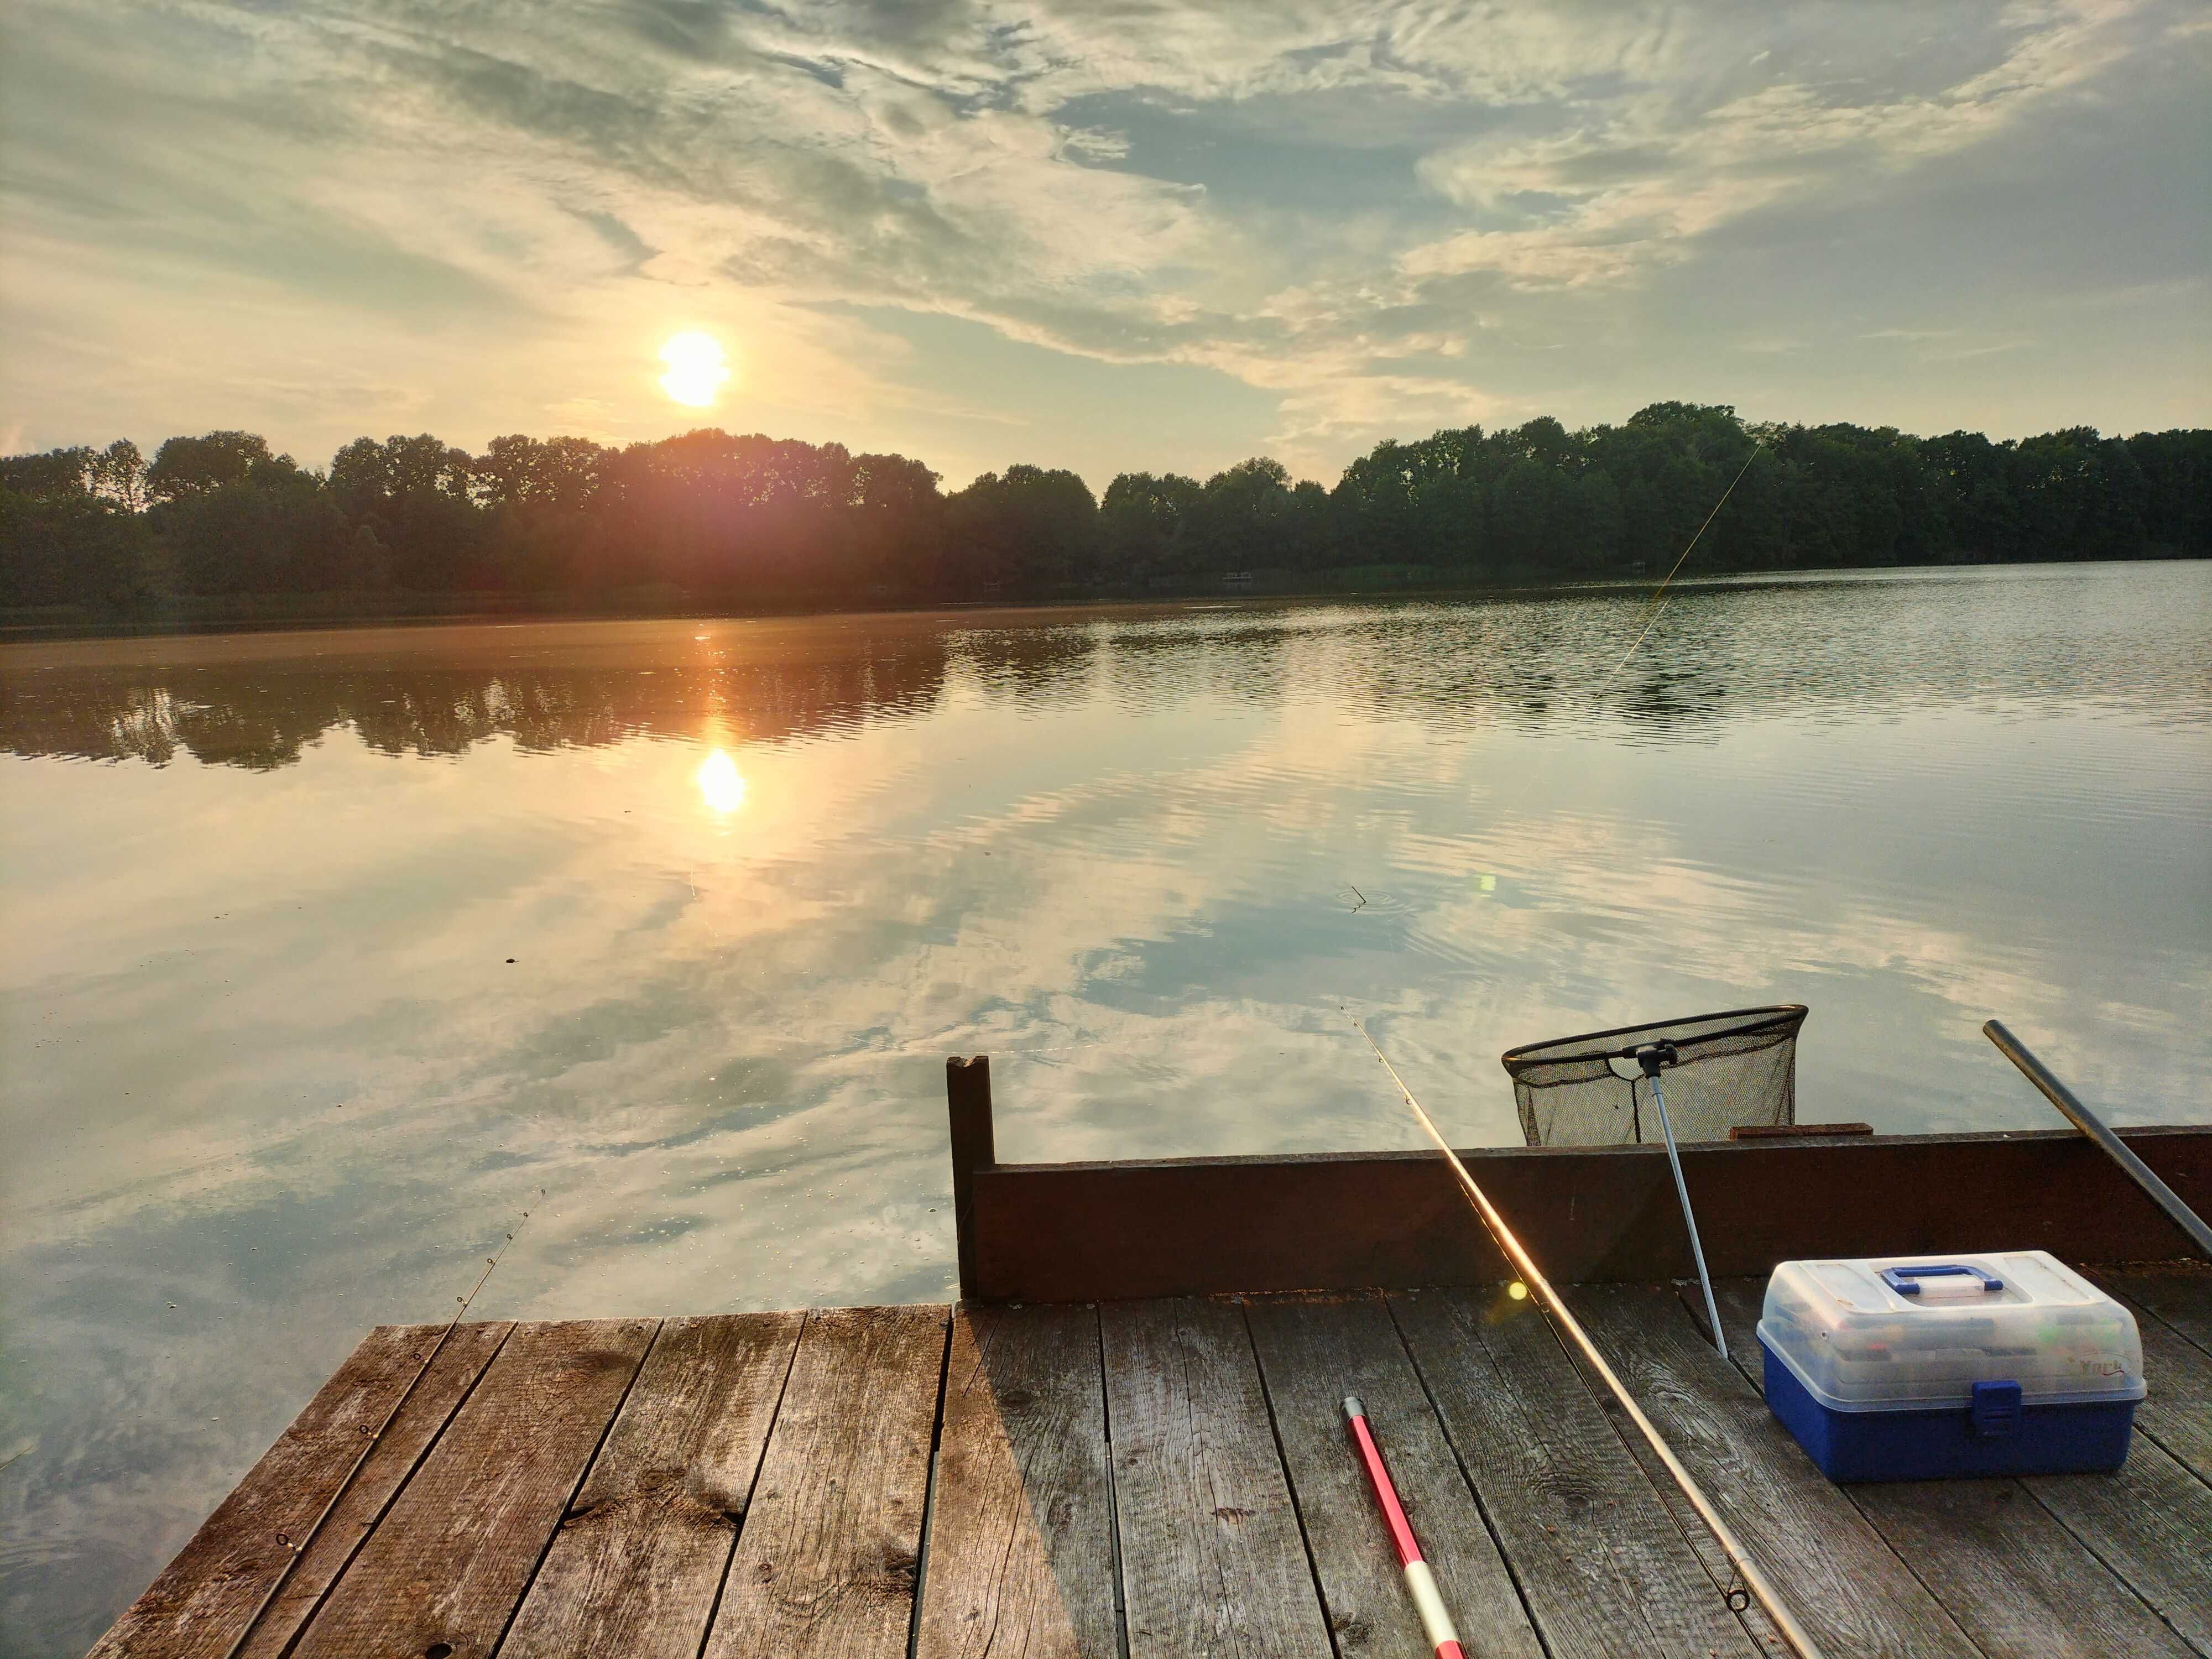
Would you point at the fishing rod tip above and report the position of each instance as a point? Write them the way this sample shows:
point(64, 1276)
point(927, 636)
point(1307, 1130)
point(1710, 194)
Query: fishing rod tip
point(1352, 1408)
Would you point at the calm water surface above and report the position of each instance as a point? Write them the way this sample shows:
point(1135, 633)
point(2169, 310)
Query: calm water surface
point(330, 954)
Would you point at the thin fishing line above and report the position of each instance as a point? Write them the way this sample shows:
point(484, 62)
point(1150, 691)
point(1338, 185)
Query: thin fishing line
point(300, 1550)
point(1649, 616)
point(1658, 602)
point(1569, 1329)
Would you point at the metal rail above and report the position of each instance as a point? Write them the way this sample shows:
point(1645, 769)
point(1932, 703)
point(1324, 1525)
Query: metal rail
point(2095, 1128)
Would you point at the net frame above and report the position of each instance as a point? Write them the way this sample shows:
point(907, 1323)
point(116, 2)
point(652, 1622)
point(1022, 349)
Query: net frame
point(1569, 1093)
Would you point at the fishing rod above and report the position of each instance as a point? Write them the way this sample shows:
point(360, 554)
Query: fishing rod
point(1570, 1330)
point(368, 1446)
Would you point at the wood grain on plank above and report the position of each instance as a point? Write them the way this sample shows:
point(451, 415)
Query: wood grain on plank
point(638, 1558)
point(1313, 1352)
point(2178, 1412)
point(1845, 1583)
point(1702, 1544)
point(450, 1559)
point(2017, 1583)
point(203, 1599)
point(1599, 1557)
point(455, 1371)
point(2149, 1523)
point(1021, 1550)
point(1212, 1561)
point(2179, 1293)
point(825, 1565)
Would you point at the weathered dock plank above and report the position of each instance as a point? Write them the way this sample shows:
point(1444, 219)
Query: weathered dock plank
point(825, 1565)
point(204, 1599)
point(1841, 1579)
point(2178, 1412)
point(2148, 1523)
point(455, 1371)
point(1212, 1559)
point(2179, 1293)
point(637, 1560)
point(2018, 1581)
point(1313, 1352)
point(1021, 1547)
point(444, 1567)
point(1599, 1559)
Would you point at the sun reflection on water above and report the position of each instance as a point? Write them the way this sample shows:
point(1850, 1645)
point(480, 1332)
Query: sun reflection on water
point(722, 786)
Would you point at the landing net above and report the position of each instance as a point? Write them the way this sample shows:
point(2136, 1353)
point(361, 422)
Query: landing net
point(1737, 1069)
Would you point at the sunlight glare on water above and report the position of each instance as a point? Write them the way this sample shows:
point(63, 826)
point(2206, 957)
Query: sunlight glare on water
point(720, 784)
point(329, 952)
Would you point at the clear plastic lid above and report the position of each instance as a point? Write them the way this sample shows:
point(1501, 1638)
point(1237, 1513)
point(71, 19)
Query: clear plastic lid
point(1891, 1331)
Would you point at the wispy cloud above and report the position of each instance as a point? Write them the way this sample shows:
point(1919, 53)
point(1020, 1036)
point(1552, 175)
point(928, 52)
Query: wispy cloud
point(331, 216)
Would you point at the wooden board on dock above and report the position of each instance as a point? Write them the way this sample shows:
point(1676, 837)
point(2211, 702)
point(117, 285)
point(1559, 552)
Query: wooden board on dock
point(208, 1596)
point(1158, 1477)
point(639, 1556)
point(1213, 1561)
point(827, 1559)
point(448, 1564)
point(1021, 1546)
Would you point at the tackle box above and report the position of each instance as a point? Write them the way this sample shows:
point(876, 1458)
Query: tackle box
point(1912, 1368)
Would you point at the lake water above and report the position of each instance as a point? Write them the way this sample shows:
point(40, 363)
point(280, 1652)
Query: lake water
point(330, 954)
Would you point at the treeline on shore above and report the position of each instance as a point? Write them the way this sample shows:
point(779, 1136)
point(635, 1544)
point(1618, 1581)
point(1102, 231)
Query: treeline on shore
point(221, 520)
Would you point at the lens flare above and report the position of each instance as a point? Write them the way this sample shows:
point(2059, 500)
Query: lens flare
point(722, 786)
point(696, 368)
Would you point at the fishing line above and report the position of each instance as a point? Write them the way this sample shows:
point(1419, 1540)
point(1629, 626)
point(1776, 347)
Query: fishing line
point(1649, 617)
point(1569, 1329)
point(299, 1549)
point(1658, 602)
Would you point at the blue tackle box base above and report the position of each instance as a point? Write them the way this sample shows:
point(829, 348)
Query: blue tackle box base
point(1939, 1443)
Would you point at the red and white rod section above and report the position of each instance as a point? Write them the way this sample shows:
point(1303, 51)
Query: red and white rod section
point(1419, 1579)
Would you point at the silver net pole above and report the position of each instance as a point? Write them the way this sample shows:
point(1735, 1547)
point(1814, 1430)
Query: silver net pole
point(1689, 1218)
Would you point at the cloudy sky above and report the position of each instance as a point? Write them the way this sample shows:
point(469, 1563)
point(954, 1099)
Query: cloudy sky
point(1097, 234)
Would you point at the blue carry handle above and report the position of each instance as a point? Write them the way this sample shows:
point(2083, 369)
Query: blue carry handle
point(1901, 1279)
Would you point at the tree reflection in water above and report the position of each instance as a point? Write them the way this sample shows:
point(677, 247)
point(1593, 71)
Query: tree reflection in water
point(1724, 648)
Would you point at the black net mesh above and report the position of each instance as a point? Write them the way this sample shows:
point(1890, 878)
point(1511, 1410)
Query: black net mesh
point(1738, 1068)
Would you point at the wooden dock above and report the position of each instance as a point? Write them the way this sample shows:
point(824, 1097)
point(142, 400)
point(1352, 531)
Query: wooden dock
point(1164, 1477)
point(1125, 1441)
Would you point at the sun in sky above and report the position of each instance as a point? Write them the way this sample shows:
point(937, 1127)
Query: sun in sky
point(696, 368)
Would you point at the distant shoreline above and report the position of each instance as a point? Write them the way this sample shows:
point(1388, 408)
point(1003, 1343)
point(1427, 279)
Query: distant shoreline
point(220, 531)
point(315, 612)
